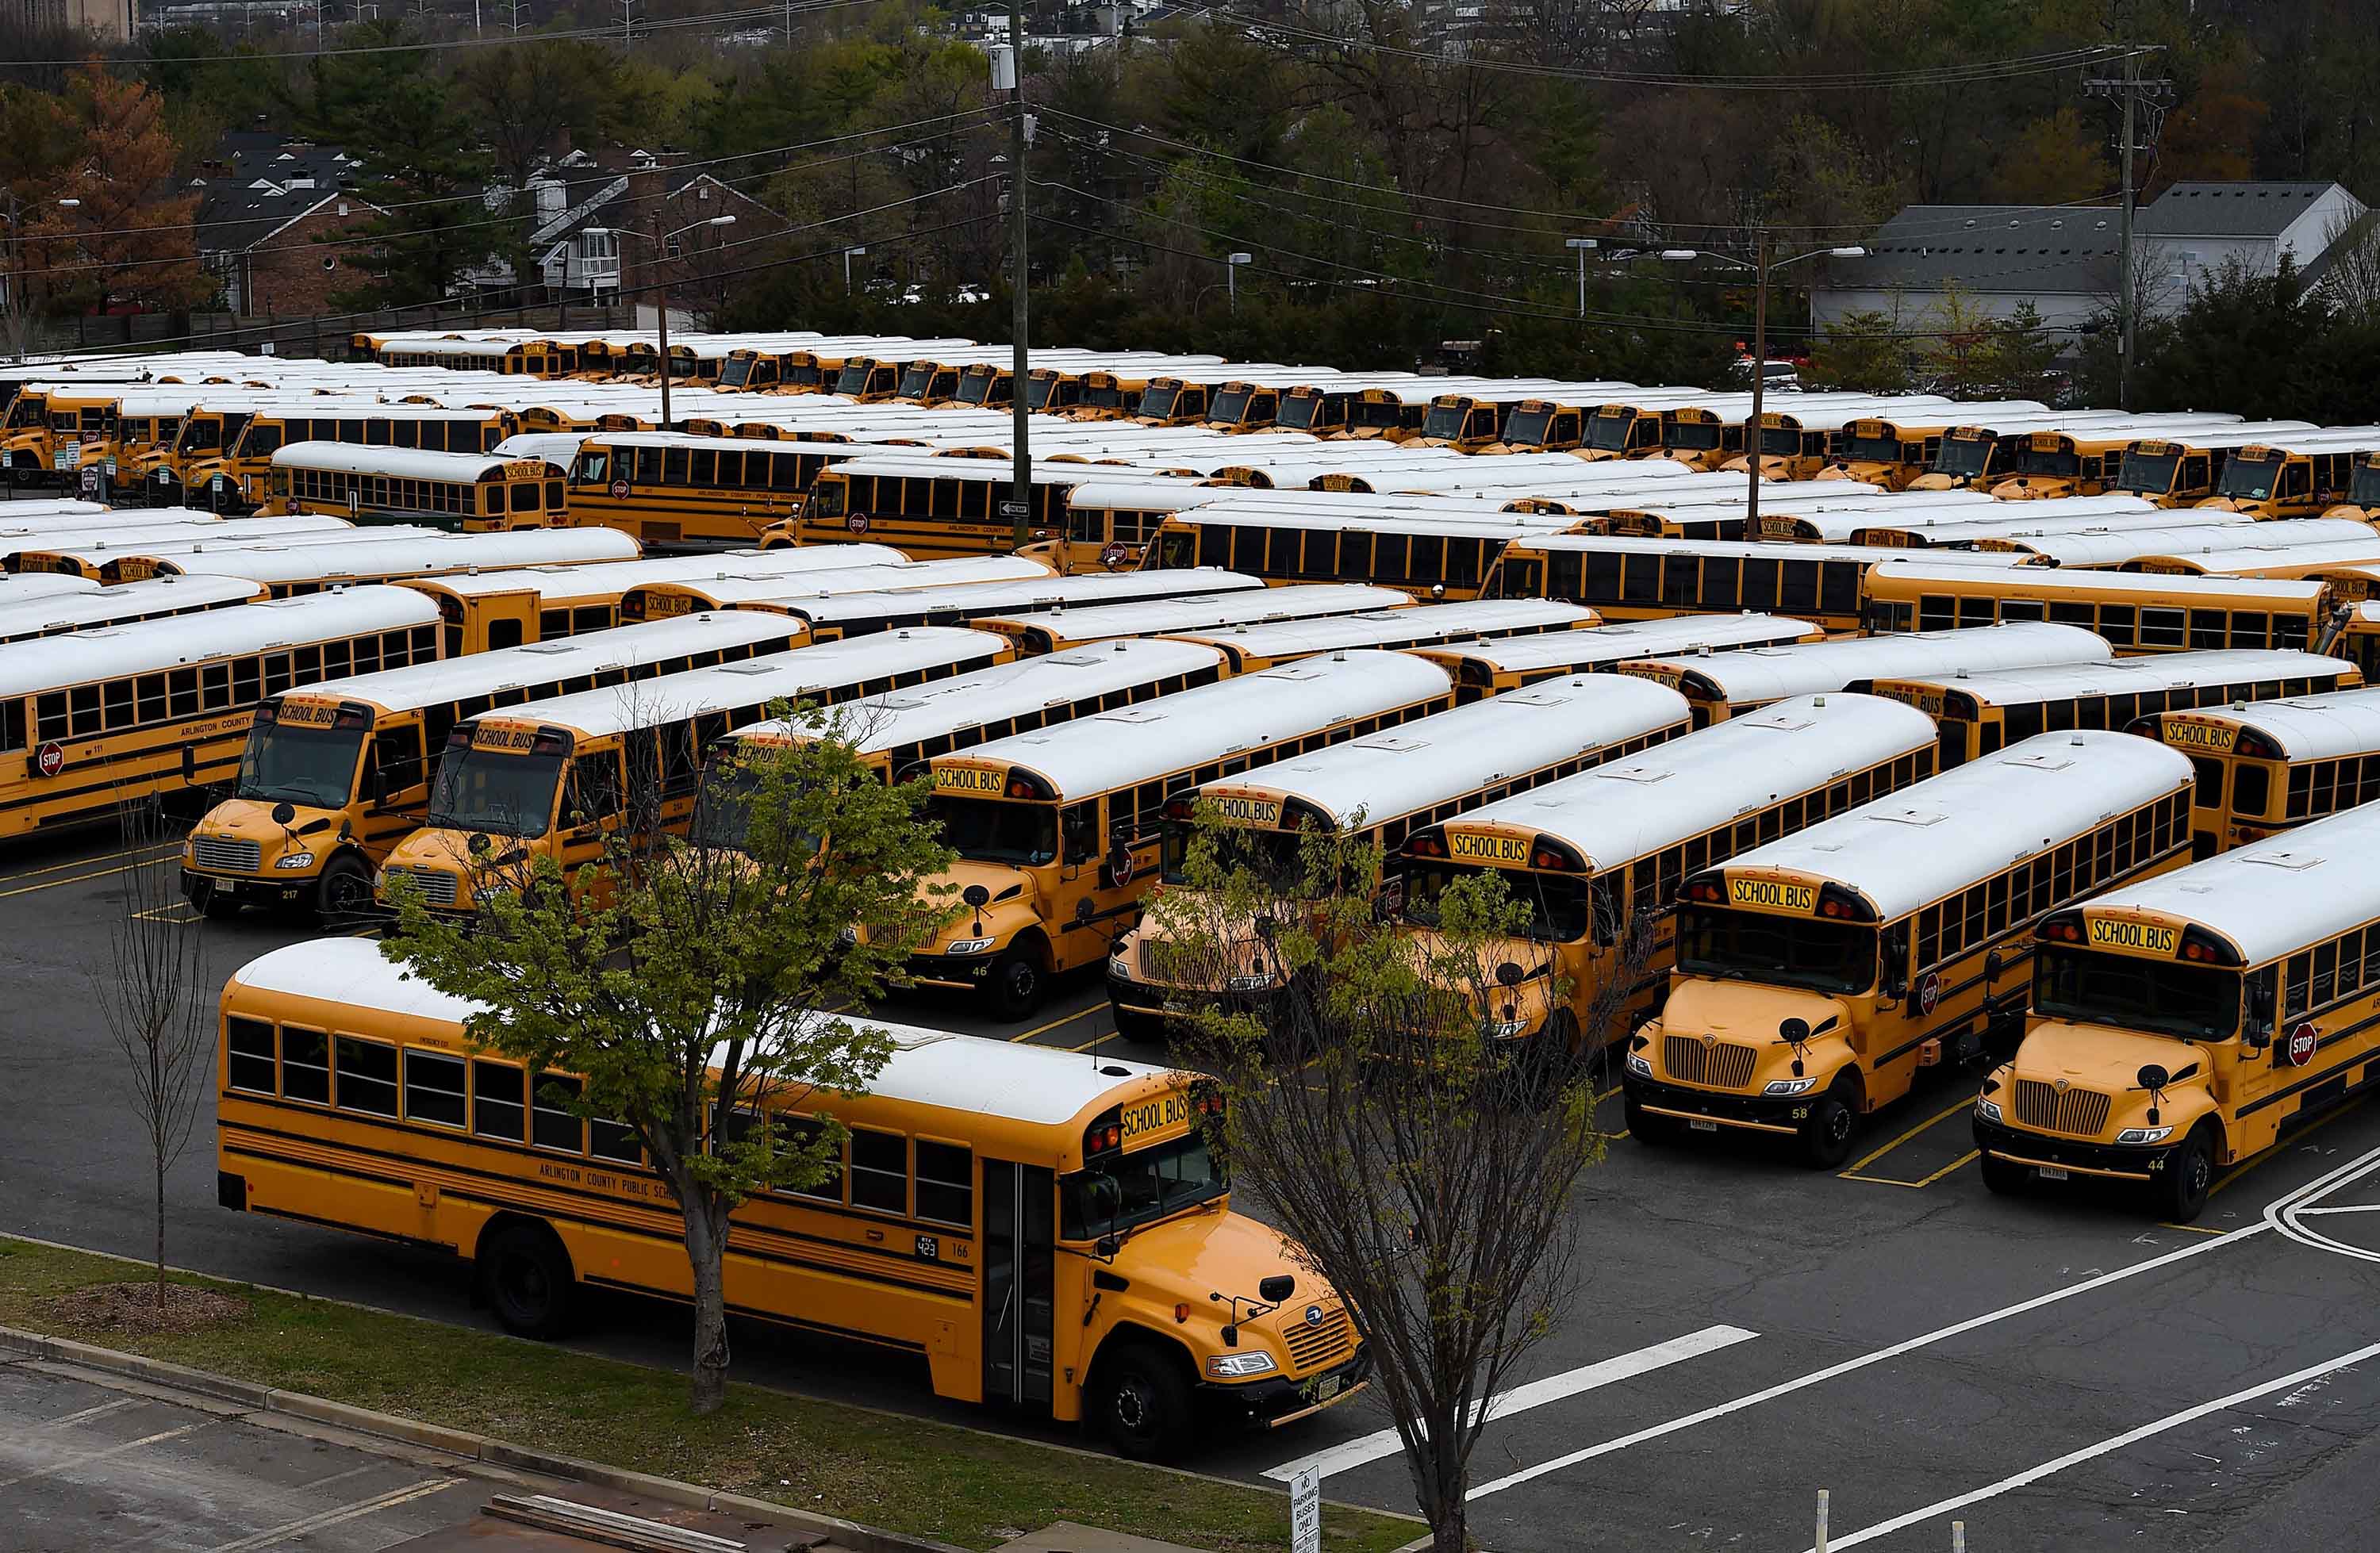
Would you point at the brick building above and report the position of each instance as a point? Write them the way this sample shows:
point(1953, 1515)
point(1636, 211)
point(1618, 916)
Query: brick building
point(269, 207)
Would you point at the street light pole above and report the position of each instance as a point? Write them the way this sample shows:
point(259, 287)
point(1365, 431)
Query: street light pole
point(1580, 247)
point(1231, 263)
point(848, 255)
point(661, 284)
point(1020, 481)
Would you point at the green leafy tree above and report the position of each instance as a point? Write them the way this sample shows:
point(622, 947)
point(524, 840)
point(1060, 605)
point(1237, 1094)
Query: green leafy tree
point(1424, 1162)
point(2020, 355)
point(688, 985)
point(1865, 352)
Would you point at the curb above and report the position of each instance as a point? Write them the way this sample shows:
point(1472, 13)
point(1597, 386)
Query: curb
point(460, 1443)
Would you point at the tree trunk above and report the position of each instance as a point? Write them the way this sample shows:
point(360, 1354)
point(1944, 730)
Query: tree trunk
point(161, 1233)
point(706, 1241)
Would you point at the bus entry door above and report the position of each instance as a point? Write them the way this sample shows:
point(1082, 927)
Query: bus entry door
point(1019, 1270)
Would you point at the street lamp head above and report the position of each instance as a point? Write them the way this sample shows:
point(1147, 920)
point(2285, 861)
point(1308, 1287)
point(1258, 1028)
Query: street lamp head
point(721, 221)
point(69, 204)
point(1849, 251)
point(856, 250)
point(1239, 259)
point(1582, 243)
point(1680, 255)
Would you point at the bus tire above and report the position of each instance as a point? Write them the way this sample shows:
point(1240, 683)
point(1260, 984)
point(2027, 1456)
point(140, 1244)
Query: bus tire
point(2004, 1178)
point(215, 905)
point(1140, 1401)
point(527, 1277)
point(1827, 1135)
point(344, 894)
point(1015, 983)
point(2189, 1176)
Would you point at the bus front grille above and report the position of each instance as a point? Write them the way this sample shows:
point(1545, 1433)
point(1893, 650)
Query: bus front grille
point(2045, 1109)
point(1323, 1344)
point(1724, 1066)
point(437, 887)
point(225, 855)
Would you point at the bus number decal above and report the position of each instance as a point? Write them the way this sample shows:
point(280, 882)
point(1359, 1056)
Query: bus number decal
point(1247, 811)
point(1507, 850)
point(1170, 1114)
point(2201, 736)
point(970, 779)
point(1773, 894)
point(2137, 937)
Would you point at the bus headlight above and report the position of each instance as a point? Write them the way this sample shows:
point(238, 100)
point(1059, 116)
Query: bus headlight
point(1239, 1366)
point(1639, 1064)
point(1789, 1085)
point(2144, 1135)
point(1988, 1109)
point(1119, 967)
point(967, 946)
point(295, 860)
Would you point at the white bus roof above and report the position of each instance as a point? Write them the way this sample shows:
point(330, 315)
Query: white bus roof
point(1150, 617)
point(1617, 813)
point(77, 527)
point(1418, 765)
point(2326, 438)
point(2113, 547)
point(2274, 896)
point(1770, 674)
point(2237, 434)
point(403, 463)
point(1951, 567)
point(2130, 676)
point(18, 588)
point(99, 520)
point(1754, 550)
point(1599, 647)
point(506, 669)
point(425, 554)
point(1041, 1086)
point(610, 576)
point(788, 676)
point(199, 541)
point(1018, 689)
point(1834, 417)
point(738, 588)
point(39, 614)
point(1941, 835)
point(1141, 743)
point(1946, 412)
point(982, 600)
point(81, 657)
point(2308, 727)
point(2242, 551)
point(1421, 624)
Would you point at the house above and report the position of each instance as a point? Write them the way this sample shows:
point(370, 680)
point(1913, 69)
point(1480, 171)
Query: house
point(273, 214)
point(2064, 260)
point(600, 233)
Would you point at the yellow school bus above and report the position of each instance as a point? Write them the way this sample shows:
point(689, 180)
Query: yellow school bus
point(2081, 461)
point(1893, 452)
point(1820, 974)
point(91, 719)
point(1423, 555)
point(1461, 422)
point(459, 492)
point(2137, 611)
point(1482, 669)
point(1058, 832)
point(554, 778)
point(1596, 859)
point(1350, 414)
point(335, 775)
point(2185, 1022)
point(1376, 791)
point(2175, 471)
point(2304, 475)
point(705, 492)
point(928, 505)
point(1702, 436)
point(1982, 713)
point(1251, 648)
point(1107, 397)
point(1171, 401)
point(1036, 1230)
point(2273, 765)
point(239, 479)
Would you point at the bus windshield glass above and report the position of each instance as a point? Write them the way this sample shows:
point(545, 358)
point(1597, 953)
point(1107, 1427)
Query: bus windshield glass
point(1231, 405)
point(1963, 456)
point(1557, 904)
point(1778, 951)
point(2363, 490)
point(1781, 441)
point(1608, 433)
point(2148, 473)
point(2047, 461)
point(917, 382)
point(2249, 479)
point(1118, 1194)
point(491, 790)
point(2196, 1002)
point(1691, 436)
point(1157, 403)
point(1528, 428)
point(737, 371)
point(973, 387)
point(996, 830)
point(1297, 411)
point(298, 763)
point(1446, 421)
point(1875, 450)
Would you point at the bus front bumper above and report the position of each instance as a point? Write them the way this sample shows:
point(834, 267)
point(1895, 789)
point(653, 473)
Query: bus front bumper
point(2073, 1157)
point(965, 972)
point(249, 888)
point(1269, 1404)
point(1708, 1110)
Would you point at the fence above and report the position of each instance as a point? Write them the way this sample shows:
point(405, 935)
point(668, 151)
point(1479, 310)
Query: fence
point(307, 335)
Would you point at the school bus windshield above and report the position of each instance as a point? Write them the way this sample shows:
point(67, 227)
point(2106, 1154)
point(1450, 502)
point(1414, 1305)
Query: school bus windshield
point(1559, 905)
point(2364, 488)
point(1962, 456)
point(722, 810)
point(1158, 402)
point(1527, 427)
point(1139, 1187)
point(507, 793)
point(1229, 405)
point(1296, 411)
point(1445, 421)
point(736, 373)
point(1882, 448)
point(1275, 855)
point(1778, 951)
point(1781, 441)
point(2047, 461)
point(2196, 1002)
point(1691, 436)
point(995, 830)
point(294, 763)
point(2251, 479)
point(2149, 473)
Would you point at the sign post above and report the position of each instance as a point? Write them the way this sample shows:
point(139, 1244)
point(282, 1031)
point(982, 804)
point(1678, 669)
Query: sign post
point(1305, 1513)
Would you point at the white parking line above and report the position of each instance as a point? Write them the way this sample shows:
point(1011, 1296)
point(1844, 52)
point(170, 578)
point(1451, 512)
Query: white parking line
point(2114, 1442)
point(90, 1412)
point(337, 1513)
point(1817, 1377)
point(1520, 1399)
point(68, 1463)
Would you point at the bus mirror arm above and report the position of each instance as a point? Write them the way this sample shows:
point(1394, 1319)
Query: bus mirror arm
point(1795, 1033)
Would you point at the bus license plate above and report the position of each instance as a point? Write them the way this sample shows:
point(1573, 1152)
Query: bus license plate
point(227, 887)
point(1328, 1388)
point(1697, 1124)
point(2051, 1173)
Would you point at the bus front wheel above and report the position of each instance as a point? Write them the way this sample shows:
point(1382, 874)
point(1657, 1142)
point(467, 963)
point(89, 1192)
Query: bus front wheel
point(346, 893)
point(2189, 1176)
point(1827, 1135)
point(1015, 982)
point(1143, 1405)
point(527, 1278)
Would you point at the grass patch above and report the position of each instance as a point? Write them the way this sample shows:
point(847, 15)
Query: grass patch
point(901, 1473)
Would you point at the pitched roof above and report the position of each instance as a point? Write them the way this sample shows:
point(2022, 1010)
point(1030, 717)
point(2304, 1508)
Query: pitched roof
point(1987, 247)
point(2206, 209)
point(258, 182)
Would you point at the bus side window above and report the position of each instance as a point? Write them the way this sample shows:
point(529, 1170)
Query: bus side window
point(396, 758)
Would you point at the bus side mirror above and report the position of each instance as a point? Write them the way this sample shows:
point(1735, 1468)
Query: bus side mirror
point(1277, 1288)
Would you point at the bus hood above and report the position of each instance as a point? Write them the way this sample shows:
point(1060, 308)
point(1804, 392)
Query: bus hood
point(1747, 1013)
point(251, 819)
point(1183, 1260)
point(1013, 906)
point(2098, 1056)
point(2034, 488)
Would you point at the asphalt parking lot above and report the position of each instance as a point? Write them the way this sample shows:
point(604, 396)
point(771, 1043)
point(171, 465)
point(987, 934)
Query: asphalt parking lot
point(2059, 1372)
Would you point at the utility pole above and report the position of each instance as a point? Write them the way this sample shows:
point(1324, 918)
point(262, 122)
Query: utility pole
point(1753, 435)
point(1020, 495)
point(627, 12)
point(2132, 94)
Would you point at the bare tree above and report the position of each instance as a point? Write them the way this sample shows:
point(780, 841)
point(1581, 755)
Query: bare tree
point(1413, 1102)
point(152, 991)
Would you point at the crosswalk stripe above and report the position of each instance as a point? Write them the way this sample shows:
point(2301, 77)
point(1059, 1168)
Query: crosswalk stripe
point(1537, 1393)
